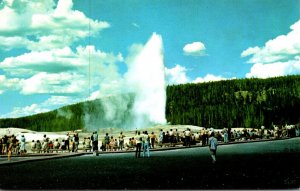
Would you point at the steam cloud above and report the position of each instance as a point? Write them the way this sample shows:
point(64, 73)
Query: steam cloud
point(140, 98)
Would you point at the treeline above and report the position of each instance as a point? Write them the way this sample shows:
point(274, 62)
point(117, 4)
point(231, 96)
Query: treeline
point(229, 103)
point(236, 103)
point(88, 114)
point(63, 119)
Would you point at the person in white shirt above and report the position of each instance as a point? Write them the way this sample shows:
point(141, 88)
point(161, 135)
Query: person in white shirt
point(33, 145)
point(146, 140)
point(138, 138)
point(171, 134)
point(56, 144)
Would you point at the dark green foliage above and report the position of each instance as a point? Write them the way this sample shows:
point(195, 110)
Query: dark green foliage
point(65, 118)
point(236, 103)
point(231, 103)
point(89, 114)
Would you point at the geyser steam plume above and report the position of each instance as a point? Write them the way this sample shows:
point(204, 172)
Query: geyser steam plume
point(146, 78)
point(140, 99)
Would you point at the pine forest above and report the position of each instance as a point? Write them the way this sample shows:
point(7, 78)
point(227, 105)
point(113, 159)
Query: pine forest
point(249, 103)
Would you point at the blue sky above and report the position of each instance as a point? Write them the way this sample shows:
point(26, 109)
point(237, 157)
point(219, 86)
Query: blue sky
point(54, 53)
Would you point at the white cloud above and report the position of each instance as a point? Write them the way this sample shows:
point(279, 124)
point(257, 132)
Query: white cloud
point(278, 57)
point(250, 51)
point(61, 83)
point(8, 84)
point(194, 49)
point(40, 25)
point(48, 29)
point(208, 78)
point(260, 70)
point(282, 48)
point(61, 71)
point(176, 75)
point(55, 60)
point(9, 43)
point(51, 103)
point(22, 111)
point(59, 101)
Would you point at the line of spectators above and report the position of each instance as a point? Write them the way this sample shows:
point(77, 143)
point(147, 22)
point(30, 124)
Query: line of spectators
point(69, 144)
point(188, 138)
point(153, 140)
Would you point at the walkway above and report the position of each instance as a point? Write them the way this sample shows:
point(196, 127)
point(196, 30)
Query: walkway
point(47, 156)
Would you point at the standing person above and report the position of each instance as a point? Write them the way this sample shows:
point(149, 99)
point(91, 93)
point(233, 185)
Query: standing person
point(121, 141)
point(22, 146)
point(161, 137)
point(229, 134)
point(225, 136)
point(45, 144)
point(171, 134)
point(152, 139)
point(67, 142)
point(4, 144)
point(167, 137)
point(9, 151)
point(138, 140)
point(212, 145)
point(76, 142)
point(146, 140)
point(177, 136)
point(71, 143)
point(38, 146)
point(187, 135)
point(106, 138)
point(95, 141)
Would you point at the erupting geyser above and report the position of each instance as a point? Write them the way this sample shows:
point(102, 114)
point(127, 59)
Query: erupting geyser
point(146, 78)
point(140, 100)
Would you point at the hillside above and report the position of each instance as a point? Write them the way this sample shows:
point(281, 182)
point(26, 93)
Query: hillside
point(236, 103)
point(229, 103)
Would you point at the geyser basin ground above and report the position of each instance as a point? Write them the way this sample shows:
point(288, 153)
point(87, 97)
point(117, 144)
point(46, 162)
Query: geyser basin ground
point(261, 165)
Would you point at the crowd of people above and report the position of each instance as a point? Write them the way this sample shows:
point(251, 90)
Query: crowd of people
point(142, 141)
point(69, 144)
point(10, 144)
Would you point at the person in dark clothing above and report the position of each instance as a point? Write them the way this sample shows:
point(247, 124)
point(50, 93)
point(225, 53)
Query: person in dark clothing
point(67, 142)
point(106, 138)
point(229, 134)
point(76, 142)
